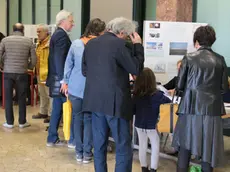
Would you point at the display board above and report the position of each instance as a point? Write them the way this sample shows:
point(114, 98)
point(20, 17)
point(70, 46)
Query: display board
point(166, 43)
point(31, 31)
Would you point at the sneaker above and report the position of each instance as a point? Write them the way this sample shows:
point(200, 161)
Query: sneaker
point(57, 143)
point(47, 120)
point(40, 116)
point(8, 125)
point(87, 160)
point(71, 146)
point(79, 158)
point(24, 125)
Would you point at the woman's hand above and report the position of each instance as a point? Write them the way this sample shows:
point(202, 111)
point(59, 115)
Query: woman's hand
point(171, 92)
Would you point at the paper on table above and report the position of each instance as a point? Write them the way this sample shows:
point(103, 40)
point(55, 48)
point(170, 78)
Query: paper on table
point(162, 88)
point(175, 100)
point(227, 105)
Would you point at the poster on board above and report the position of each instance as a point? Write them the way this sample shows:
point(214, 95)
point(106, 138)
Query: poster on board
point(166, 43)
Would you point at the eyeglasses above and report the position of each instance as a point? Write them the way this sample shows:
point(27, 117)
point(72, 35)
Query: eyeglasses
point(71, 21)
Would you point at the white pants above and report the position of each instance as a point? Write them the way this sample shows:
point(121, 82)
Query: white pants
point(143, 136)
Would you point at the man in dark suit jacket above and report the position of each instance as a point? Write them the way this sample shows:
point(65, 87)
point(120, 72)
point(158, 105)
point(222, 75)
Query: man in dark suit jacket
point(107, 63)
point(59, 47)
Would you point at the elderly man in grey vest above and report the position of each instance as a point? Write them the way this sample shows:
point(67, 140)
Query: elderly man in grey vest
point(17, 55)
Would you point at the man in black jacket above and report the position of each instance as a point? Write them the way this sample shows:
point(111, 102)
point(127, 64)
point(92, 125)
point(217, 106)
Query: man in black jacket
point(107, 63)
point(59, 47)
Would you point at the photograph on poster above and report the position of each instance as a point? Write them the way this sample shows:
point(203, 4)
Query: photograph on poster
point(154, 35)
point(154, 45)
point(151, 45)
point(160, 46)
point(155, 25)
point(159, 68)
point(154, 49)
point(178, 48)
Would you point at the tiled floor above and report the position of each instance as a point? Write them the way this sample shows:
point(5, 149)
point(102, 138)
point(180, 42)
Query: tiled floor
point(24, 150)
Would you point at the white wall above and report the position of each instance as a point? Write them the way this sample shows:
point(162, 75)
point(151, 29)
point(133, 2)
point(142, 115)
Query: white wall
point(109, 9)
point(217, 15)
point(3, 16)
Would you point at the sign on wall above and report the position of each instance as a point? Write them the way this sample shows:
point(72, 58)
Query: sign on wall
point(166, 43)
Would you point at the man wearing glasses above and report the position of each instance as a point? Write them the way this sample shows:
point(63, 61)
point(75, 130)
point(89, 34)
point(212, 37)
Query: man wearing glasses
point(59, 47)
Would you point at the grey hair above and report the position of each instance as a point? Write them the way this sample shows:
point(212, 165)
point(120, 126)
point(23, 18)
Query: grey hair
point(122, 24)
point(62, 15)
point(44, 27)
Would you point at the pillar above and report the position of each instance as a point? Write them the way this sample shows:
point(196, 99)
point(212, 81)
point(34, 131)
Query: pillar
point(174, 10)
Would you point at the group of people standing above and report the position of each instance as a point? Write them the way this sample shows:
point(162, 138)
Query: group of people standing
point(93, 73)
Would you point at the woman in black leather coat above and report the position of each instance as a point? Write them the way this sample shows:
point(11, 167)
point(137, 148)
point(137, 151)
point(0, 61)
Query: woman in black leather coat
point(202, 80)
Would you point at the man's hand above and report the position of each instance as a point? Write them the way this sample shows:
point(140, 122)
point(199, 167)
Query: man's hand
point(64, 87)
point(66, 92)
point(134, 77)
point(135, 38)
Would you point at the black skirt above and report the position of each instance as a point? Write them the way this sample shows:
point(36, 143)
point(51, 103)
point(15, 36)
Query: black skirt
point(202, 135)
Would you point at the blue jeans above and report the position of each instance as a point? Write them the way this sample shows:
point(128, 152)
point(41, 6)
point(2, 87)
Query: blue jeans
point(55, 119)
point(120, 129)
point(81, 128)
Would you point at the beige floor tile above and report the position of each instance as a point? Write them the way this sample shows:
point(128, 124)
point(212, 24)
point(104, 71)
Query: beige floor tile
point(24, 150)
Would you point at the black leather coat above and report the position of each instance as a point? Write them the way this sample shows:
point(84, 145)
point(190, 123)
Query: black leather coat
point(202, 80)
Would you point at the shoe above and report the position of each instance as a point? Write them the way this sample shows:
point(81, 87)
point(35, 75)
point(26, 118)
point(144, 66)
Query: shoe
point(181, 169)
point(109, 148)
point(87, 160)
point(152, 170)
point(47, 120)
point(24, 125)
point(28, 103)
point(144, 169)
point(173, 153)
point(40, 116)
point(79, 158)
point(57, 143)
point(8, 125)
point(71, 146)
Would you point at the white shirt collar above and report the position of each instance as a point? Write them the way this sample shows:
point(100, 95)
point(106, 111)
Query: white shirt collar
point(65, 30)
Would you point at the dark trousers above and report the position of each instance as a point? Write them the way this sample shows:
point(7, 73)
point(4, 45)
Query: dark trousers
point(55, 118)
point(28, 92)
point(120, 128)
point(184, 157)
point(21, 82)
point(81, 129)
